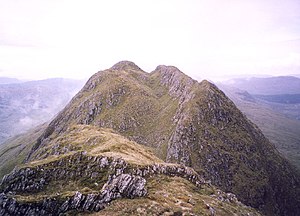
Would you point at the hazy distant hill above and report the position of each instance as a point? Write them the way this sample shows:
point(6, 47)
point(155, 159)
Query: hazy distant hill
point(7, 80)
point(28, 104)
point(268, 86)
point(281, 94)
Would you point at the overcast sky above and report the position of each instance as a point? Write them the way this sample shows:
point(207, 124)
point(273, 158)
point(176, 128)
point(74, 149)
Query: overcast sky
point(203, 38)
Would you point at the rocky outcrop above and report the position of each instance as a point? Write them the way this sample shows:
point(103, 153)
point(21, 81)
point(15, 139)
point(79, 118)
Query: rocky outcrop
point(178, 83)
point(124, 185)
point(34, 179)
point(121, 180)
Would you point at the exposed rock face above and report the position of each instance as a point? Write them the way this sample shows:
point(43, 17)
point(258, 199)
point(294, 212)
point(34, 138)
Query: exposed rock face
point(186, 122)
point(33, 179)
point(122, 180)
point(178, 84)
point(124, 185)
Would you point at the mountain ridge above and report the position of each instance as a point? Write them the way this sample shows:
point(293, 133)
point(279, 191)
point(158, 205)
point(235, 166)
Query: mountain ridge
point(185, 122)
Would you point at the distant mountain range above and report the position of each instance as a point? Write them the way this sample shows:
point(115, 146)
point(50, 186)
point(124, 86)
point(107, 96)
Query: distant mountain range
point(24, 105)
point(281, 94)
point(8, 80)
point(279, 85)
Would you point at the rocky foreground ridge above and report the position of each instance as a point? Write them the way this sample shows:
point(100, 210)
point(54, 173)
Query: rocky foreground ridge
point(182, 121)
point(82, 182)
point(122, 181)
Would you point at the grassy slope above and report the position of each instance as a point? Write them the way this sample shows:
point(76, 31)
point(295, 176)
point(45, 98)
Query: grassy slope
point(137, 108)
point(15, 150)
point(96, 141)
point(282, 131)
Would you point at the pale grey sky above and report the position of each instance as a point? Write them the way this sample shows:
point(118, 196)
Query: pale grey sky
point(204, 38)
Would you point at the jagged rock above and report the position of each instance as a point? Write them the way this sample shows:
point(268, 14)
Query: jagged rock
point(178, 83)
point(33, 179)
point(123, 181)
point(124, 185)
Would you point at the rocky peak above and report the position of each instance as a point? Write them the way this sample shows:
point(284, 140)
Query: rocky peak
point(168, 69)
point(125, 65)
point(169, 74)
point(123, 70)
point(208, 84)
point(178, 83)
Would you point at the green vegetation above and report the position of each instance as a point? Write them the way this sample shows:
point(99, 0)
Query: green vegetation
point(137, 107)
point(280, 130)
point(96, 141)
